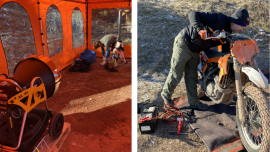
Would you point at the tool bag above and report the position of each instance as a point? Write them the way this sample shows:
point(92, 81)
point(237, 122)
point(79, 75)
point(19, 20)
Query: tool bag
point(80, 65)
point(89, 55)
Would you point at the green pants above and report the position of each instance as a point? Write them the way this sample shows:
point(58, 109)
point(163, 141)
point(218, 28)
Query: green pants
point(183, 59)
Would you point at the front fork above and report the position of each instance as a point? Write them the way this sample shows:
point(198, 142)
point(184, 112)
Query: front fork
point(240, 99)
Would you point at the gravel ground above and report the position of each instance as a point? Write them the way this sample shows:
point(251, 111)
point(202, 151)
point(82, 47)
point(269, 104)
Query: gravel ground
point(159, 21)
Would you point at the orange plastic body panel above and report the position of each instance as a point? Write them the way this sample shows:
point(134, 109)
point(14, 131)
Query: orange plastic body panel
point(209, 60)
point(223, 62)
point(220, 47)
point(63, 59)
point(244, 50)
point(220, 61)
point(215, 60)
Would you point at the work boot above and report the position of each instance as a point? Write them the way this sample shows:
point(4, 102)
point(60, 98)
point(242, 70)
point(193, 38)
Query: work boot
point(167, 101)
point(115, 62)
point(105, 61)
point(199, 106)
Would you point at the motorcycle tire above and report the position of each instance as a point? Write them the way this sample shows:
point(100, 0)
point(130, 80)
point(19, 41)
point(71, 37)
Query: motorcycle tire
point(255, 143)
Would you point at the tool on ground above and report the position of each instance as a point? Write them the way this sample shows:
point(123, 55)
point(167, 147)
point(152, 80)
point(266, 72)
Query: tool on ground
point(146, 123)
point(170, 110)
point(142, 105)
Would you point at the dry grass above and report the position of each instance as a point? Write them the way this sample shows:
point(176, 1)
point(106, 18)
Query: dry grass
point(159, 21)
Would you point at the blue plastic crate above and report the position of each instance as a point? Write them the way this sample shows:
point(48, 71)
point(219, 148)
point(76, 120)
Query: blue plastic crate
point(90, 55)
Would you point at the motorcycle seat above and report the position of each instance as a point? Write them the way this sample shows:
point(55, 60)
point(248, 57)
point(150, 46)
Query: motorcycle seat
point(211, 53)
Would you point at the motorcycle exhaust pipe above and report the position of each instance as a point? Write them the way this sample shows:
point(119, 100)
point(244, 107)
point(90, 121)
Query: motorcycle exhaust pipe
point(238, 84)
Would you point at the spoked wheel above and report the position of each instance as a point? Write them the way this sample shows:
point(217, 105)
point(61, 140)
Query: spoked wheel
point(56, 125)
point(255, 132)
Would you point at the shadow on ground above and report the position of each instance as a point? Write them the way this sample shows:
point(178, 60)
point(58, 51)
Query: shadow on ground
point(106, 124)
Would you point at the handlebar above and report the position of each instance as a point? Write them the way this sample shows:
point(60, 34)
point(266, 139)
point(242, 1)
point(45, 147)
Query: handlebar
point(262, 33)
point(220, 35)
point(223, 34)
point(230, 40)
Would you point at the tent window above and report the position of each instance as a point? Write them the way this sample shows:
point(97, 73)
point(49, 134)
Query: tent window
point(16, 34)
point(105, 21)
point(54, 31)
point(77, 29)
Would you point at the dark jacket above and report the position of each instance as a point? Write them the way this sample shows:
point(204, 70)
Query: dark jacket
point(205, 21)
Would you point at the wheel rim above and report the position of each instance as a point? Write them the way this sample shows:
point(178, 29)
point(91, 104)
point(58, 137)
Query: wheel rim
point(252, 129)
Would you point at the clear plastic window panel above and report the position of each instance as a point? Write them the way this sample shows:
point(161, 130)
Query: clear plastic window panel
point(77, 29)
point(105, 21)
point(54, 31)
point(16, 34)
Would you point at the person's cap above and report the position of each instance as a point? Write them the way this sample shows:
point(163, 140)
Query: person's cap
point(241, 24)
point(240, 17)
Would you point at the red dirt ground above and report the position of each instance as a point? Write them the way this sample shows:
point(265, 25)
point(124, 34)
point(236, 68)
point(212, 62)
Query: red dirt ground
point(98, 106)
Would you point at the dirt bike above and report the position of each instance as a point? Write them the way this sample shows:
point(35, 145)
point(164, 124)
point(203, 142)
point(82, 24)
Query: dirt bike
point(221, 75)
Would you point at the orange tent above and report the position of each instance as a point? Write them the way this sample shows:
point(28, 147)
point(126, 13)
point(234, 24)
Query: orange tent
point(58, 29)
